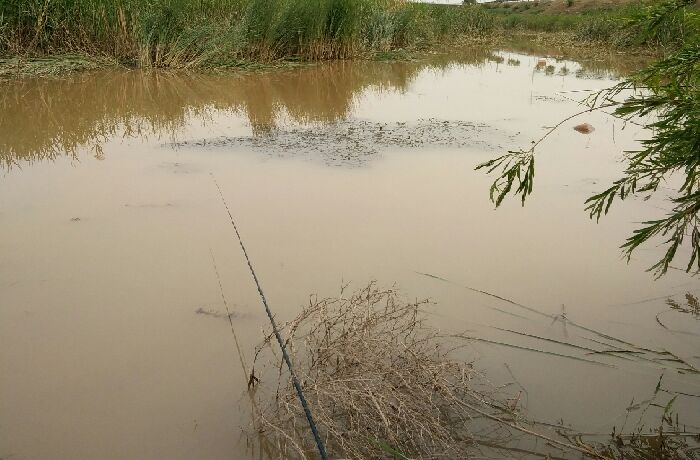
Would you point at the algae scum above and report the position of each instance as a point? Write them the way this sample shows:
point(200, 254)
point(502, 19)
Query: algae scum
point(355, 142)
point(120, 283)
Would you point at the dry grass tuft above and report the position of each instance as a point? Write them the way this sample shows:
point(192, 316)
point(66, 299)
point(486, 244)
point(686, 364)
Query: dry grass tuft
point(380, 383)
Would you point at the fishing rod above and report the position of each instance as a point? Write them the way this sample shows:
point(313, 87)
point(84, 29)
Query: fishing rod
point(285, 355)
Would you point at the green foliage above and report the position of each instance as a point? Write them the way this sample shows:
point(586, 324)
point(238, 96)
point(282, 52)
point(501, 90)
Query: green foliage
point(204, 33)
point(670, 91)
point(542, 22)
point(598, 28)
point(514, 167)
point(667, 23)
point(390, 450)
point(658, 24)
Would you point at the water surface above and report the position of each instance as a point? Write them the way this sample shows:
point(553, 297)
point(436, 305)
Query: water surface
point(114, 341)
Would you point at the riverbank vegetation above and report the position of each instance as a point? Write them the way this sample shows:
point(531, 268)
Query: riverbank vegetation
point(223, 33)
point(206, 34)
point(624, 24)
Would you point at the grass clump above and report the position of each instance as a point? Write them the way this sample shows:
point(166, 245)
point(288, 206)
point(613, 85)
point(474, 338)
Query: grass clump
point(379, 381)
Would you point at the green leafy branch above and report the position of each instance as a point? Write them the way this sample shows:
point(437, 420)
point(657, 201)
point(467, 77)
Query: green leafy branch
point(669, 91)
point(514, 166)
point(661, 24)
point(666, 97)
point(519, 166)
point(679, 224)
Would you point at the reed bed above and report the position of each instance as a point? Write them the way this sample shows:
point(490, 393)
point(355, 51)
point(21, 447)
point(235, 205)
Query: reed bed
point(226, 33)
point(219, 34)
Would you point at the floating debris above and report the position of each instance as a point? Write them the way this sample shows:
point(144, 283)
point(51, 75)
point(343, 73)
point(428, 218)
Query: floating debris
point(612, 347)
point(692, 305)
point(219, 314)
point(354, 142)
point(584, 128)
point(149, 205)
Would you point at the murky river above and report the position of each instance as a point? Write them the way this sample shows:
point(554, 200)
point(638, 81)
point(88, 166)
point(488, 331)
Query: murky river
point(114, 341)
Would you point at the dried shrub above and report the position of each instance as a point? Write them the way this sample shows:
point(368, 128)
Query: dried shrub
point(380, 383)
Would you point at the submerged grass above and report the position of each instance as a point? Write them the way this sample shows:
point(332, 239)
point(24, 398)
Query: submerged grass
point(613, 347)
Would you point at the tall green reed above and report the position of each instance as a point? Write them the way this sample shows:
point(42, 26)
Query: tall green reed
point(208, 33)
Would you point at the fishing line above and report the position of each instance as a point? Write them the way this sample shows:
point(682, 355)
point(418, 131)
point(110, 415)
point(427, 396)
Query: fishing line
point(228, 314)
point(295, 381)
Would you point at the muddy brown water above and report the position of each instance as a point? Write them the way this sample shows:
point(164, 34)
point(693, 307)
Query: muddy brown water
point(114, 342)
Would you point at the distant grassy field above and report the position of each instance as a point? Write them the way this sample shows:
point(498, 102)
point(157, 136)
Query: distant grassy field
point(617, 23)
point(555, 7)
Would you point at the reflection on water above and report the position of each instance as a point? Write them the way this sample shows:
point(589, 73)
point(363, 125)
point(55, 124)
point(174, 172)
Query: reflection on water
point(594, 64)
point(40, 119)
point(44, 118)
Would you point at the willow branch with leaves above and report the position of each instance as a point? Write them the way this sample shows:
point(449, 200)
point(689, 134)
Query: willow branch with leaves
point(669, 91)
point(668, 94)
